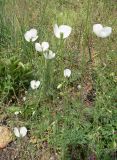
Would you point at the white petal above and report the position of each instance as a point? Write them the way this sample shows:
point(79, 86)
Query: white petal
point(17, 112)
point(33, 32)
point(33, 112)
point(106, 31)
point(97, 28)
point(59, 86)
point(27, 36)
point(38, 47)
point(67, 73)
point(49, 55)
point(45, 46)
point(33, 84)
point(23, 131)
point(34, 38)
point(56, 31)
point(65, 30)
point(16, 132)
point(37, 84)
point(79, 87)
point(24, 98)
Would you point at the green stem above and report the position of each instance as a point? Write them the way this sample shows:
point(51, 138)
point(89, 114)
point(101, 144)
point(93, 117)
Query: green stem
point(87, 28)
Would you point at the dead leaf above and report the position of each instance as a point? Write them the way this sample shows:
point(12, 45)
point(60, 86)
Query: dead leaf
point(5, 136)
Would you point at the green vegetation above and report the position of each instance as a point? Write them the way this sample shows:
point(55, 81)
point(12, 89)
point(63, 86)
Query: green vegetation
point(70, 123)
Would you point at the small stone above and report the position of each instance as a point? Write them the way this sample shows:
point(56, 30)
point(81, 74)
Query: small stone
point(5, 136)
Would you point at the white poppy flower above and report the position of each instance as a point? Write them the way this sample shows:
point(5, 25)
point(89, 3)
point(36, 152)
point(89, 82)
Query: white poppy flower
point(34, 84)
point(20, 132)
point(49, 55)
point(101, 31)
point(67, 73)
point(31, 35)
point(42, 47)
point(63, 30)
